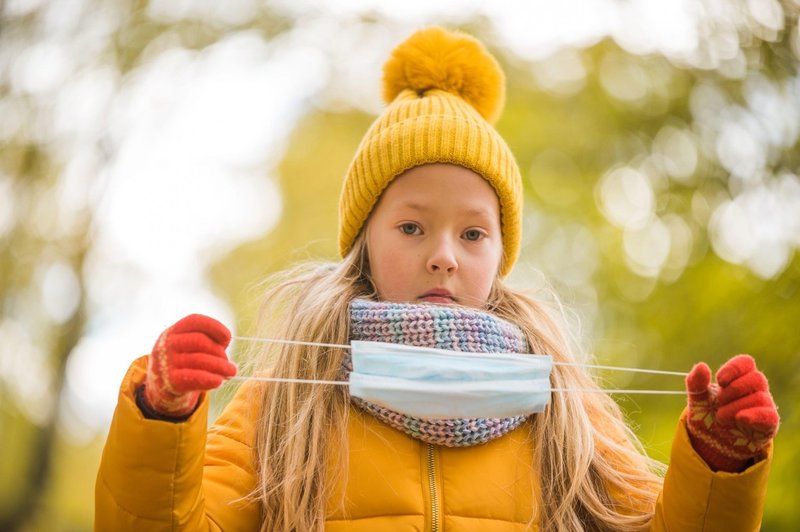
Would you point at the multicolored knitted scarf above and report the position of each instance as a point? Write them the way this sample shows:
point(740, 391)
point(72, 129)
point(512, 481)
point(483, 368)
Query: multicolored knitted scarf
point(454, 328)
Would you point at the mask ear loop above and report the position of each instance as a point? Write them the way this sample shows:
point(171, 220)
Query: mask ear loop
point(557, 390)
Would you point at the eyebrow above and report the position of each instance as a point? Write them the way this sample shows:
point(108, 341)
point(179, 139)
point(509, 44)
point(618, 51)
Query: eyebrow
point(471, 211)
point(415, 206)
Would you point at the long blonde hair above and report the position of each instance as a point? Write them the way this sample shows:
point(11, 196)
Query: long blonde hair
point(594, 473)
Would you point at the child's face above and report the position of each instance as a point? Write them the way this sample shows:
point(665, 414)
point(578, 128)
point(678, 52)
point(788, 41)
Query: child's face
point(434, 237)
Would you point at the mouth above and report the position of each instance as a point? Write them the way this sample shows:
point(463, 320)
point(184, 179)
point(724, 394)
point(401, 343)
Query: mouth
point(438, 295)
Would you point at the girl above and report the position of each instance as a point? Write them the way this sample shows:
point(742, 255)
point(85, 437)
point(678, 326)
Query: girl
point(430, 218)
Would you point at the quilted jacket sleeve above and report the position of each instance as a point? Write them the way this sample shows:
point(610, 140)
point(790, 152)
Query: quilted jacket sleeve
point(697, 499)
point(157, 475)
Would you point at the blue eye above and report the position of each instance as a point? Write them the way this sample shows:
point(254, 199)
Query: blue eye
point(473, 234)
point(409, 228)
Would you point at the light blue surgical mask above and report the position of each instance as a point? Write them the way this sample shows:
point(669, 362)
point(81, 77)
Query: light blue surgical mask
point(440, 384)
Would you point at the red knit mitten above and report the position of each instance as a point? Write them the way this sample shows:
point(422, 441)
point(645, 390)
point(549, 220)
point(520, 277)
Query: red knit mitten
point(730, 422)
point(188, 358)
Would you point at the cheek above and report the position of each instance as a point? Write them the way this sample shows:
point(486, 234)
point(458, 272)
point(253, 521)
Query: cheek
point(389, 267)
point(484, 269)
point(487, 261)
point(484, 277)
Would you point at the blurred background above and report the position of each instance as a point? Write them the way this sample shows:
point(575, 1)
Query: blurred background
point(160, 158)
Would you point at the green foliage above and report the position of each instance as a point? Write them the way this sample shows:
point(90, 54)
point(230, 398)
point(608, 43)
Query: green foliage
point(64, 505)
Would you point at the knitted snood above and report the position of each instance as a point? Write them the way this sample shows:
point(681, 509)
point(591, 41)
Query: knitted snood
point(443, 327)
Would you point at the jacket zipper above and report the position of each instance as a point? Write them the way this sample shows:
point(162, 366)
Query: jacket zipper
point(433, 489)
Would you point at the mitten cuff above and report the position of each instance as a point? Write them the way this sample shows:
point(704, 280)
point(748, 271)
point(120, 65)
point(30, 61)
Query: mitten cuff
point(151, 413)
point(719, 457)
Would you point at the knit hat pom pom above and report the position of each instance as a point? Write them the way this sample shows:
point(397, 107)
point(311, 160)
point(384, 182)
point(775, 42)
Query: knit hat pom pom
point(436, 58)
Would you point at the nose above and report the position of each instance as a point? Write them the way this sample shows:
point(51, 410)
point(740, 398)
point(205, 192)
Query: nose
point(442, 257)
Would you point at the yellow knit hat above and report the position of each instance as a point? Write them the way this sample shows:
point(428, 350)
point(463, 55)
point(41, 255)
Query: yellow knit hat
point(444, 91)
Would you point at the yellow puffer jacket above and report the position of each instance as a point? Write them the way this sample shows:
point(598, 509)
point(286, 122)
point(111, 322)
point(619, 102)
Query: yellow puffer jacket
point(156, 475)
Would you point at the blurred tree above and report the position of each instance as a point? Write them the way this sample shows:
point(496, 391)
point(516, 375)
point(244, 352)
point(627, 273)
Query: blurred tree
point(41, 286)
